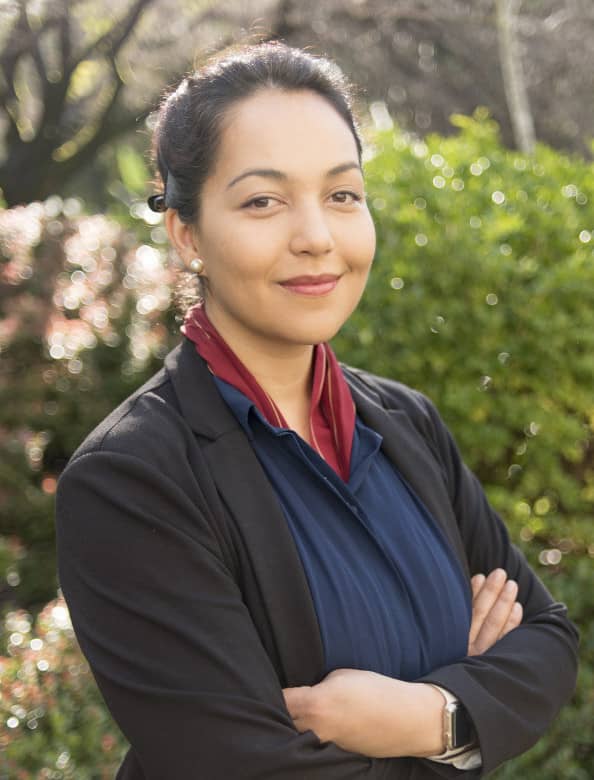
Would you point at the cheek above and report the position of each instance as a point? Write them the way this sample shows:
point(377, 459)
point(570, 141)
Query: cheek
point(233, 259)
point(360, 242)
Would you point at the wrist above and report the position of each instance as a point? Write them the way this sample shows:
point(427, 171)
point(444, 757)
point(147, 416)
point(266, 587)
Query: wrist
point(413, 719)
point(429, 707)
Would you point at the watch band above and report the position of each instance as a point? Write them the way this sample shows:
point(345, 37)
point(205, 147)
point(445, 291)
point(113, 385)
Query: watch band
point(457, 727)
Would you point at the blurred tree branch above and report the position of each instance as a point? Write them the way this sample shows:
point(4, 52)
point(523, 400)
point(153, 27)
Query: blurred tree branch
point(58, 111)
point(33, 165)
point(513, 76)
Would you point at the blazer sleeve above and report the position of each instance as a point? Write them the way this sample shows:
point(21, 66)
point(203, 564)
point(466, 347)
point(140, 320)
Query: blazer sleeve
point(515, 689)
point(168, 637)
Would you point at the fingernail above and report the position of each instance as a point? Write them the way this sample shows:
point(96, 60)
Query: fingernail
point(510, 586)
point(498, 575)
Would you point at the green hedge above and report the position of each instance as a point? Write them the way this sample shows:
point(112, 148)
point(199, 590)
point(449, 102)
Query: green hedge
point(481, 295)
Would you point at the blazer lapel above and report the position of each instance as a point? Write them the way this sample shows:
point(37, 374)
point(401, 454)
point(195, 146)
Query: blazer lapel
point(281, 581)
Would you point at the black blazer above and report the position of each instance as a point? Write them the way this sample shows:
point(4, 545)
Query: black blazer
point(190, 602)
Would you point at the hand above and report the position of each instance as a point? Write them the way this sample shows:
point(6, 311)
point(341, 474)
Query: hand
point(495, 611)
point(369, 713)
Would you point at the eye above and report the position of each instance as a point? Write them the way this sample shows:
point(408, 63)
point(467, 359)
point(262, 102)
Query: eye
point(346, 196)
point(260, 203)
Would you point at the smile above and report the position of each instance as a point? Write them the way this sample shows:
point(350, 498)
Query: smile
point(311, 288)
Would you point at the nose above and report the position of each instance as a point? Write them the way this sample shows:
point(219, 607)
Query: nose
point(311, 233)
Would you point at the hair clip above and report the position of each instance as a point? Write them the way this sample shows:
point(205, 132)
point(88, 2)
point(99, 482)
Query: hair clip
point(163, 201)
point(157, 202)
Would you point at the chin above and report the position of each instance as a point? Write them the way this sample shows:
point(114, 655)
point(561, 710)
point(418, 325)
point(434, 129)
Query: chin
point(315, 335)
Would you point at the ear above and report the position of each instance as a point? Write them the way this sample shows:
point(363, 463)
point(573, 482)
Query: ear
point(182, 236)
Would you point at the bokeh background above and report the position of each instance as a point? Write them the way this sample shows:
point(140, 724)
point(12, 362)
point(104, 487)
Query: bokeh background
point(478, 118)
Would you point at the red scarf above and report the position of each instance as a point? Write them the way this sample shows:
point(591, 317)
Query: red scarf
point(332, 412)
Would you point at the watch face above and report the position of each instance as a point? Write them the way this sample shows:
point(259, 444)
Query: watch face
point(462, 730)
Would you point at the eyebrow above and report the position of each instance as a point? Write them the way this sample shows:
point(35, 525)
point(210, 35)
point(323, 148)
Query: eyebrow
point(273, 173)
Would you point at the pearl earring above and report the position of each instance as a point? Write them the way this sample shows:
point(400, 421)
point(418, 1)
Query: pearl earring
point(196, 265)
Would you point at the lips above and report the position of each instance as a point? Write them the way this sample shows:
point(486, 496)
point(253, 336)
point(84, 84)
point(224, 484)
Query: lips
point(321, 279)
point(311, 285)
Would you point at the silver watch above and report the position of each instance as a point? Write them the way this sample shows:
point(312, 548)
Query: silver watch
point(458, 731)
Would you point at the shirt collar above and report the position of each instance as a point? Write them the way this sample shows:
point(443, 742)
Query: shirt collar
point(366, 441)
point(241, 406)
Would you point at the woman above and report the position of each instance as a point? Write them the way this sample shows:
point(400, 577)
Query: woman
point(274, 561)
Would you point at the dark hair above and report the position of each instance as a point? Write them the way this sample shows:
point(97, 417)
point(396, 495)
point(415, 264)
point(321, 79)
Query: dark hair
point(189, 121)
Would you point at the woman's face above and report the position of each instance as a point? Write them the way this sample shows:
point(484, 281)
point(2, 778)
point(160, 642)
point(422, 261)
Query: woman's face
point(285, 199)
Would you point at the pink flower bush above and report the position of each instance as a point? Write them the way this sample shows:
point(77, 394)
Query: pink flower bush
point(54, 724)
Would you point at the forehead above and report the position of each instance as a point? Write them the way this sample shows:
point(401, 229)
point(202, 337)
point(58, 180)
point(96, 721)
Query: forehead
point(292, 131)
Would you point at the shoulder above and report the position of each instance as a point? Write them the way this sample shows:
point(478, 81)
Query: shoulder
point(417, 408)
point(395, 396)
point(147, 425)
point(142, 461)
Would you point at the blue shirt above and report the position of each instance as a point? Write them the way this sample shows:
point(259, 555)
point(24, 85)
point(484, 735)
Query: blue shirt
point(390, 594)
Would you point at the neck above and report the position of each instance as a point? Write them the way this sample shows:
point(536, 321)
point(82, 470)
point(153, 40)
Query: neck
point(284, 371)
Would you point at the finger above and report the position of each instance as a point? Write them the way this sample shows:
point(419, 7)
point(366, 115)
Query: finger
point(476, 583)
point(485, 600)
point(497, 617)
point(491, 611)
point(514, 619)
